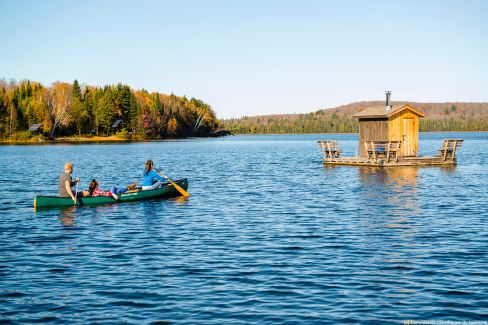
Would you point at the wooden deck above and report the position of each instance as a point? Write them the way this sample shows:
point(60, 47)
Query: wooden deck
point(385, 155)
point(404, 161)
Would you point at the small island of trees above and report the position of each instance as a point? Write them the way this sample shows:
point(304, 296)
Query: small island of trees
point(65, 109)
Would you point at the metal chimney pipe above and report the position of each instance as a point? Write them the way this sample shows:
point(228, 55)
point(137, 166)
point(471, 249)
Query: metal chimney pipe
point(388, 103)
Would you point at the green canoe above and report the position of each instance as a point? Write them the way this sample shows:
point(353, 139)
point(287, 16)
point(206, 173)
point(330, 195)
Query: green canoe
point(168, 190)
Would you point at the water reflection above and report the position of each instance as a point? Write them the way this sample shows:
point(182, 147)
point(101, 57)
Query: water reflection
point(391, 201)
point(448, 170)
point(397, 177)
point(67, 216)
point(391, 195)
point(181, 199)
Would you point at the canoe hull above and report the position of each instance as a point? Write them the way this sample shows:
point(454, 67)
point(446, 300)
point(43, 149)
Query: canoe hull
point(42, 201)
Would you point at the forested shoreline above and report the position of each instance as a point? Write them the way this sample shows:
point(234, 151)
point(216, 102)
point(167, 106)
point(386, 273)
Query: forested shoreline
point(439, 117)
point(74, 110)
point(66, 109)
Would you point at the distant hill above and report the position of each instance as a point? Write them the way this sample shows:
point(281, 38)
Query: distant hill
point(450, 116)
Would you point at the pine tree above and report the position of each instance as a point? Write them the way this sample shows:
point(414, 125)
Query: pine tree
point(3, 112)
point(76, 90)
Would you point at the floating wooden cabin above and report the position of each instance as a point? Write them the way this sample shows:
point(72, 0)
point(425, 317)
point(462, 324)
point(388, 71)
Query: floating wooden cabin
point(388, 136)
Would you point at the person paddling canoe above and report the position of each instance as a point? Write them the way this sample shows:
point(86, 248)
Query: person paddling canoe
point(66, 183)
point(152, 180)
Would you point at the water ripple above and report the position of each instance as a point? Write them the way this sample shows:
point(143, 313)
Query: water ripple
point(268, 236)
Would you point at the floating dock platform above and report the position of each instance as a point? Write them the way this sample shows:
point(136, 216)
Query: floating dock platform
point(386, 154)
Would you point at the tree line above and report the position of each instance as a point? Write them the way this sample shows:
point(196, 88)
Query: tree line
point(324, 121)
point(73, 109)
point(302, 123)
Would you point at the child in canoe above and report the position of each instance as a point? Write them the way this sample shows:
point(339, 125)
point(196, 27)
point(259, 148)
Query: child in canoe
point(95, 190)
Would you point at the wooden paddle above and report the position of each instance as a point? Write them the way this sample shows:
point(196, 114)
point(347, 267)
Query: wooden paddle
point(76, 191)
point(176, 186)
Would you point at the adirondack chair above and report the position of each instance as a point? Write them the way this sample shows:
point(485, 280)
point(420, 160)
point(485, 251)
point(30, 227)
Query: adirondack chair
point(448, 150)
point(382, 149)
point(330, 149)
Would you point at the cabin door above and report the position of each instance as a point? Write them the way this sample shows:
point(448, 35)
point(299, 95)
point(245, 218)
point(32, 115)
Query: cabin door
point(408, 137)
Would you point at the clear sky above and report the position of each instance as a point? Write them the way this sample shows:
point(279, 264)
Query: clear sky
point(255, 57)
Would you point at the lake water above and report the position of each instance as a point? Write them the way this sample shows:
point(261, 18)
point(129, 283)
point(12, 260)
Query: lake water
point(269, 235)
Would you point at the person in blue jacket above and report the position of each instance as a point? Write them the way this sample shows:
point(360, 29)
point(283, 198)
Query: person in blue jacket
point(152, 180)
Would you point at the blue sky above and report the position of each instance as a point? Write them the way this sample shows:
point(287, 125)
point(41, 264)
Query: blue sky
point(255, 57)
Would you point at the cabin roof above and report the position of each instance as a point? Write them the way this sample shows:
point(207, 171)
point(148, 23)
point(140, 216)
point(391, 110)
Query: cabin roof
point(380, 111)
point(116, 123)
point(34, 127)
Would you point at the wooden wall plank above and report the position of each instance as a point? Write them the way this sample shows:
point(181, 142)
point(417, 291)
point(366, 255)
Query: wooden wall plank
point(372, 130)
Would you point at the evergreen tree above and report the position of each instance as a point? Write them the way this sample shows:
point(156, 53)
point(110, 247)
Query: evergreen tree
point(3, 111)
point(76, 90)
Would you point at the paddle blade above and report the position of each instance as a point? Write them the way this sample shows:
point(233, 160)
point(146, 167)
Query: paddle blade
point(176, 186)
point(180, 189)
